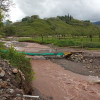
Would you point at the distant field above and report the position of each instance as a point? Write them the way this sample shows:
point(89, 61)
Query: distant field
point(81, 42)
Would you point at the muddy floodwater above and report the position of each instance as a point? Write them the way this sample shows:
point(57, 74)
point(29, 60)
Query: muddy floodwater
point(52, 80)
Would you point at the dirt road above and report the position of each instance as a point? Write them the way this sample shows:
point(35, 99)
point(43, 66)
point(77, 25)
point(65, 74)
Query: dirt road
point(55, 82)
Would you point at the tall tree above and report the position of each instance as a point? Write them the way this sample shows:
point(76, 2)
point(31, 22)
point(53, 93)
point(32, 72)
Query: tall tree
point(4, 8)
point(1, 18)
point(5, 4)
point(8, 22)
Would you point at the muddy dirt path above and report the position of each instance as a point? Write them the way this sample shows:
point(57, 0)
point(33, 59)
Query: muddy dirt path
point(55, 82)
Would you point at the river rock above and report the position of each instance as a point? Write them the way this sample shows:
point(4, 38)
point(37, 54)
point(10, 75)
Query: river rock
point(9, 86)
point(15, 71)
point(1, 81)
point(11, 91)
point(4, 98)
point(91, 60)
point(3, 84)
point(2, 72)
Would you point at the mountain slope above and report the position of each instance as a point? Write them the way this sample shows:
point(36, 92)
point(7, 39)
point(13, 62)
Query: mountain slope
point(96, 23)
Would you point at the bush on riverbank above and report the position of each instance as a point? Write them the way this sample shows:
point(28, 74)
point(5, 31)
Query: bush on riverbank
point(1, 45)
point(19, 61)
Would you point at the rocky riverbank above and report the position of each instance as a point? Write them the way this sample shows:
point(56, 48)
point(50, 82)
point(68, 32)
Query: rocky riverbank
point(84, 63)
point(10, 87)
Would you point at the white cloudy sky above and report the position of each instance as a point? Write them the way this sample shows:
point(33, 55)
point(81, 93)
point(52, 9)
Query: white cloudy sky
point(80, 9)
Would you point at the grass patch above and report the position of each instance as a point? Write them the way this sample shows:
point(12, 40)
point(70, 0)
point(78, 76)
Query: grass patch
point(93, 48)
point(2, 46)
point(18, 60)
point(91, 45)
point(68, 42)
point(37, 40)
point(26, 40)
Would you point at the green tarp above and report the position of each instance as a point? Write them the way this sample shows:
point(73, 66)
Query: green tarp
point(5, 51)
point(36, 54)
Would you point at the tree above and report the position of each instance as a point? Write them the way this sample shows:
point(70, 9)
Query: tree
point(34, 17)
point(9, 31)
point(8, 22)
point(26, 19)
point(91, 30)
point(5, 4)
point(1, 18)
point(4, 7)
point(98, 31)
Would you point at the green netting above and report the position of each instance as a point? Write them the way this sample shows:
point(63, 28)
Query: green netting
point(45, 54)
point(36, 54)
point(61, 54)
point(5, 51)
point(32, 54)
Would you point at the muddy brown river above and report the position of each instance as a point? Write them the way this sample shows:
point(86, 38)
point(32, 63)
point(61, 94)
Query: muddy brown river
point(53, 81)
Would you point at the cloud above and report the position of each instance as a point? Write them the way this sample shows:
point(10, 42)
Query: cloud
point(80, 9)
point(15, 14)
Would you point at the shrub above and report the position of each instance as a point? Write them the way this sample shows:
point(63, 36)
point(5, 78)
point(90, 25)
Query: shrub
point(64, 43)
point(19, 61)
point(91, 45)
point(2, 35)
point(1, 45)
point(26, 40)
point(9, 31)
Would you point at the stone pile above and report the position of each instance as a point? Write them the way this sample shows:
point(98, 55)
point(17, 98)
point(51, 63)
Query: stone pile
point(9, 88)
point(77, 57)
point(90, 61)
point(81, 57)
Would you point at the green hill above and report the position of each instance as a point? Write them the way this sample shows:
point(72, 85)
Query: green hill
point(33, 25)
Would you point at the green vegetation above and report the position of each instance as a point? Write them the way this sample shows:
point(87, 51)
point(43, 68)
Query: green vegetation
point(80, 42)
point(16, 59)
point(9, 31)
point(60, 30)
point(2, 46)
point(1, 18)
point(19, 61)
point(60, 25)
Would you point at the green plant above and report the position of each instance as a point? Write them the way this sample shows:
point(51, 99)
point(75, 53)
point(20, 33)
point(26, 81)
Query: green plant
point(19, 61)
point(26, 40)
point(65, 43)
point(9, 31)
point(2, 34)
point(1, 45)
point(91, 45)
